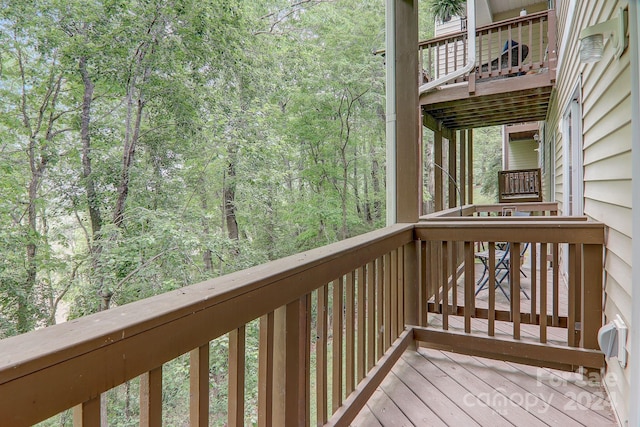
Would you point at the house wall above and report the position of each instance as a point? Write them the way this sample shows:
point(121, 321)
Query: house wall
point(606, 131)
point(522, 154)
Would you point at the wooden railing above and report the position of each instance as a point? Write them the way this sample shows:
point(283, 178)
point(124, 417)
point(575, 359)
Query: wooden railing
point(348, 297)
point(537, 209)
point(352, 307)
point(496, 56)
point(522, 185)
point(451, 275)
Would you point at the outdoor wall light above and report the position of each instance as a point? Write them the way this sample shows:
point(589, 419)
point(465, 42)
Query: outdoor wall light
point(592, 38)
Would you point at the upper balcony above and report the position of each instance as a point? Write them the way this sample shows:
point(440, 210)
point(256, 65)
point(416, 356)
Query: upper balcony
point(511, 82)
point(318, 332)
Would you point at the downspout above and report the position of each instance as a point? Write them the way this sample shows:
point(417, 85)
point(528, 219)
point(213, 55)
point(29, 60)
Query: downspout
point(471, 49)
point(390, 60)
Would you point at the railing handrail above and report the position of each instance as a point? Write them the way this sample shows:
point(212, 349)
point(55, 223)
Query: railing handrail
point(508, 230)
point(471, 209)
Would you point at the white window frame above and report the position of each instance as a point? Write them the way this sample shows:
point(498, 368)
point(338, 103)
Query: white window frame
point(573, 155)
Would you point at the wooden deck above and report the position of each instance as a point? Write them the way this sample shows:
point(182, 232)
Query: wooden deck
point(435, 388)
point(430, 387)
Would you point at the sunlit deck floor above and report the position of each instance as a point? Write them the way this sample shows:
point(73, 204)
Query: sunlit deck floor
point(437, 388)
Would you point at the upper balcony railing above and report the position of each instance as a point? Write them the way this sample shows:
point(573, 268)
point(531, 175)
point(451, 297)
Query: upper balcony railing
point(521, 185)
point(522, 45)
point(351, 307)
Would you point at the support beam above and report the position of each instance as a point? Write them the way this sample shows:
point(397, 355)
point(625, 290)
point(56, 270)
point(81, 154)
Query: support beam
point(463, 167)
point(403, 121)
point(470, 163)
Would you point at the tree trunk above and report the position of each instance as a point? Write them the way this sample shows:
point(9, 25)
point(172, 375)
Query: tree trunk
point(230, 198)
point(207, 254)
point(87, 177)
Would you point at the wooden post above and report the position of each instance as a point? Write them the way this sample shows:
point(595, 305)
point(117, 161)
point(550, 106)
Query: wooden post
point(470, 165)
point(591, 295)
point(407, 110)
point(463, 167)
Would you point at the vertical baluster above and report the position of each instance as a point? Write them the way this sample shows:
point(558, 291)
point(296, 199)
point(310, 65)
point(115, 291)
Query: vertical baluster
point(455, 54)
point(360, 310)
point(446, 57)
point(489, 42)
point(491, 286)
point(387, 301)
point(445, 286)
point(509, 54)
point(265, 371)
point(430, 67)
point(421, 65)
point(555, 286)
point(519, 46)
point(336, 395)
point(87, 413)
point(380, 307)
point(423, 294)
point(394, 296)
point(543, 292)
point(400, 292)
point(531, 44)
point(454, 275)
point(199, 386)
point(305, 379)
point(514, 270)
point(541, 46)
point(572, 295)
point(533, 250)
point(499, 54)
point(151, 398)
point(469, 282)
point(371, 315)
point(321, 356)
point(235, 402)
point(435, 274)
point(350, 334)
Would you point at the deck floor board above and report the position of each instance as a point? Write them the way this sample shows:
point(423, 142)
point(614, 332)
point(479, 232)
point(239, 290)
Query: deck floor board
point(434, 388)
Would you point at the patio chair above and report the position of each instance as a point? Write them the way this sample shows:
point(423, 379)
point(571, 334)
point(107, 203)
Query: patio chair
point(502, 265)
point(518, 55)
point(502, 268)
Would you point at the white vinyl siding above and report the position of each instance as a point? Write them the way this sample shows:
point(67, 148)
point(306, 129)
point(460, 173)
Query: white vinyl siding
point(606, 137)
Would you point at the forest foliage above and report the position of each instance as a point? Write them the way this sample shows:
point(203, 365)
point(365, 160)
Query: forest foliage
point(147, 145)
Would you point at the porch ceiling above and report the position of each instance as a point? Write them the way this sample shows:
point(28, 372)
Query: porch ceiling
point(494, 102)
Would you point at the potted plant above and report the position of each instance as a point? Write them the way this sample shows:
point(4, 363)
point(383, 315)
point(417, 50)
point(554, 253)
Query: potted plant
point(443, 10)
